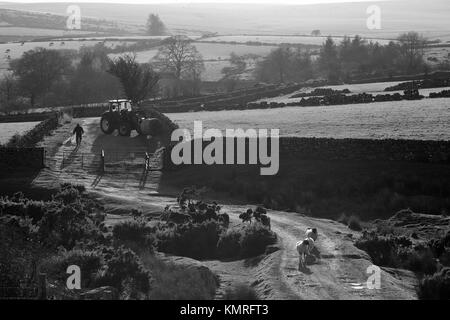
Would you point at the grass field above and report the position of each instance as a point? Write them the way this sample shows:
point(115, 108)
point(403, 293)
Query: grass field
point(215, 54)
point(7, 130)
point(422, 120)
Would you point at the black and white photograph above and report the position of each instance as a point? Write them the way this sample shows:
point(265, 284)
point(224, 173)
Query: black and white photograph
point(224, 154)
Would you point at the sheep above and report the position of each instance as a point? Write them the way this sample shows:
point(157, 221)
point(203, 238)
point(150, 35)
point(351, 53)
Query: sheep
point(265, 220)
point(304, 248)
point(246, 216)
point(311, 233)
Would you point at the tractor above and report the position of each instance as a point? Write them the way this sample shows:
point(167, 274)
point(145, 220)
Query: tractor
point(124, 118)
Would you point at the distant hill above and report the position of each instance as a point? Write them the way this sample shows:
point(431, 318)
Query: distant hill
point(38, 24)
point(429, 17)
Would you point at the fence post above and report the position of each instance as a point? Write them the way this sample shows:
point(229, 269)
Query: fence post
point(147, 161)
point(42, 286)
point(102, 161)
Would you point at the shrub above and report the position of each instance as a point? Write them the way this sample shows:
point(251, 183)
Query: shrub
point(398, 252)
point(240, 291)
point(124, 270)
point(64, 225)
point(229, 244)
point(89, 262)
point(67, 195)
point(435, 287)
point(194, 240)
point(18, 251)
point(255, 239)
point(354, 223)
point(421, 260)
point(382, 250)
point(134, 234)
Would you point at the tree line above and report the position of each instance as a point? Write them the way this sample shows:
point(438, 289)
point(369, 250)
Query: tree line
point(44, 77)
point(352, 58)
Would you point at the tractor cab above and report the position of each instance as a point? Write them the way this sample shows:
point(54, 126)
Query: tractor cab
point(120, 105)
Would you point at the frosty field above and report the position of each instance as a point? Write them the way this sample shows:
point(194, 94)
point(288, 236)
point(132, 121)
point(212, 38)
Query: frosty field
point(7, 130)
point(422, 120)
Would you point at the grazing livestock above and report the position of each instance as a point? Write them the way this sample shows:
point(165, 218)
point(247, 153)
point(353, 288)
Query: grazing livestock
point(265, 220)
point(304, 248)
point(311, 233)
point(246, 216)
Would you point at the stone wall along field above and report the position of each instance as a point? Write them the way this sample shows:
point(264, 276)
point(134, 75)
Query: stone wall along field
point(22, 157)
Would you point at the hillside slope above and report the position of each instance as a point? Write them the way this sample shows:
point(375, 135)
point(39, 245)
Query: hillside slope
point(339, 273)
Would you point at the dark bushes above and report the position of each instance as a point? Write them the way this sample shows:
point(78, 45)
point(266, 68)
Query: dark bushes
point(354, 223)
point(89, 262)
point(435, 287)
point(397, 252)
point(134, 234)
point(194, 240)
point(104, 266)
point(229, 244)
point(255, 238)
point(245, 241)
point(124, 270)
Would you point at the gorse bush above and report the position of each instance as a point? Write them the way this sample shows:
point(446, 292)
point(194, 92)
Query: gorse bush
point(398, 252)
point(89, 261)
point(229, 244)
point(19, 251)
point(103, 266)
point(134, 234)
point(354, 223)
point(68, 194)
point(255, 238)
point(123, 268)
point(245, 241)
point(194, 240)
point(436, 286)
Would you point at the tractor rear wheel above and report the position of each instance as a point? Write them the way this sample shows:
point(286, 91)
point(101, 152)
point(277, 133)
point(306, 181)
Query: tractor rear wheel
point(124, 129)
point(106, 124)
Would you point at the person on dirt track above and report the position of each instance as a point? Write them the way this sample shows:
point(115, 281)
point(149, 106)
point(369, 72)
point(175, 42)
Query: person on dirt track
point(78, 132)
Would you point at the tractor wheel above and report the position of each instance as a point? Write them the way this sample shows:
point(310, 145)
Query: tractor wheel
point(124, 129)
point(106, 125)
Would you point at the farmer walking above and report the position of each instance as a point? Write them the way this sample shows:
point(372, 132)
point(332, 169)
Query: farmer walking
point(78, 132)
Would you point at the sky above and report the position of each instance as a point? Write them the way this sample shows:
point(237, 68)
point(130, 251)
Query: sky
point(195, 1)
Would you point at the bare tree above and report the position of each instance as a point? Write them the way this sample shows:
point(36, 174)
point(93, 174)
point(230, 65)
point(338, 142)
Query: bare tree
point(412, 49)
point(138, 80)
point(179, 56)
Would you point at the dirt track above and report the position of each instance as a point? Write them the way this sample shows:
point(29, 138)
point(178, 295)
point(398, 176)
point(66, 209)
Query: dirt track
point(339, 273)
